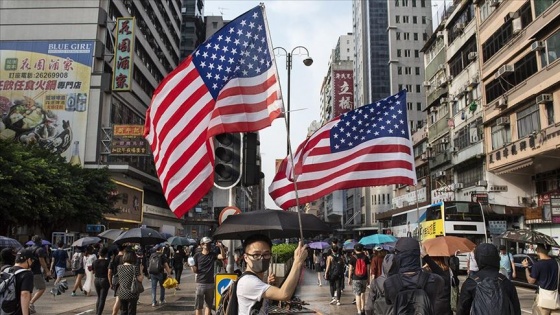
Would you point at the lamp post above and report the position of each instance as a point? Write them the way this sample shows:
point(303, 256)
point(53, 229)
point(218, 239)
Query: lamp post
point(308, 62)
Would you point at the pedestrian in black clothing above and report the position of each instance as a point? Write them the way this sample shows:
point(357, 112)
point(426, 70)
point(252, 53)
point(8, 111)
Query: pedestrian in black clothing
point(101, 281)
point(178, 263)
point(437, 266)
point(488, 261)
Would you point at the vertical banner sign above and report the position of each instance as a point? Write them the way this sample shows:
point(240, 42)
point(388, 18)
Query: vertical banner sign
point(44, 88)
point(343, 89)
point(124, 49)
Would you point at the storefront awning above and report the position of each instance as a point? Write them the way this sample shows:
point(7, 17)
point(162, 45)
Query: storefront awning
point(513, 166)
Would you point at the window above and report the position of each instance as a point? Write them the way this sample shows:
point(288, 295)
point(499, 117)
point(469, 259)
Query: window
point(418, 106)
point(399, 53)
point(396, 3)
point(424, 20)
point(414, 3)
point(399, 70)
point(405, 3)
point(398, 34)
point(407, 70)
point(552, 49)
point(409, 105)
point(416, 53)
point(500, 136)
point(528, 121)
point(214, 25)
point(470, 174)
point(405, 19)
point(418, 88)
point(407, 52)
point(417, 70)
point(406, 36)
point(423, 3)
point(425, 36)
point(414, 19)
point(397, 19)
point(415, 36)
point(400, 87)
point(409, 87)
point(549, 107)
point(542, 5)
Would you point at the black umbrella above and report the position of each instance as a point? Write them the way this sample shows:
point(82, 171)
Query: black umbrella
point(528, 236)
point(6, 242)
point(111, 234)
point(85, 241)
point(274, 223)
point(142, 236)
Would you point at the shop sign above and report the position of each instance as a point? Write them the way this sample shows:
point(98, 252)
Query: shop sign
point(555, 208)
point(128, 140)
point(343, 99)
point(534, 213)
point(482, 198)
point(124, 50)
point(130, 204)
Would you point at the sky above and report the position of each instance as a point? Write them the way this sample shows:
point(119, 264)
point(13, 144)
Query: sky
point(316, 25)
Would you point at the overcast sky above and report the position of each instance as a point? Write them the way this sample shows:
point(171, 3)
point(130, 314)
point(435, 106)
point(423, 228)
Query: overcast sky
point(315, 25)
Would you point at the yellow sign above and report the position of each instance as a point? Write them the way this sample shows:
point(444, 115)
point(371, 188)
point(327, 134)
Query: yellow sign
point(222, 281)
point(431, 229)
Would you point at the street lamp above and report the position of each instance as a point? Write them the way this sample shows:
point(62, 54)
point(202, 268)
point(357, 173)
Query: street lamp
point(308, 62)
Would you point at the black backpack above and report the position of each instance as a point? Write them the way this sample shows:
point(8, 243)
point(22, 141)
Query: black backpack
point(155, 266)
point(489, 297)
point(9, 300)
point(336, 269)
point(415, 300)
point(229, 304)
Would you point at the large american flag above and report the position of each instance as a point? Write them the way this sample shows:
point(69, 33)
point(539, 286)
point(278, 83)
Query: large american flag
point(368, 146)
point(228, 84)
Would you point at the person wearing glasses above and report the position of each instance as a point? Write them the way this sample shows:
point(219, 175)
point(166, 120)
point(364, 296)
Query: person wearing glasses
point(202, 265)
point(253, 292)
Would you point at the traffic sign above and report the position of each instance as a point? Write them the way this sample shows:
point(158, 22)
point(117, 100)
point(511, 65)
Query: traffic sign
point(227, 211)
point(223, 280)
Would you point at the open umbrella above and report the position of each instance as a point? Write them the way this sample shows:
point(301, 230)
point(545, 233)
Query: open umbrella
point(43, 242)
point(111, 234)
point(528, 236)
point(6, 242)
point(319, 245)
point(377, 239)
point(349, 245)
point(179, 240)
point(350, 240)
point(447, 245)
point(142, 236)
point(85, 241)
point(274, 223)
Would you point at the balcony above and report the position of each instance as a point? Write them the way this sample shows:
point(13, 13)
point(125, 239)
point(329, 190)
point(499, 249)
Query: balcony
point(436, 94)
point(439, 128)
point(439, 159)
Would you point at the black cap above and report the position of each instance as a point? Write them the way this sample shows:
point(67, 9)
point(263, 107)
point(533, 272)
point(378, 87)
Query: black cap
point(25, 254)
point(406, 244)
point(359, 247)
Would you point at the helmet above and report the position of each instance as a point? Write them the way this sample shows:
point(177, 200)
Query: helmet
point(206, 240)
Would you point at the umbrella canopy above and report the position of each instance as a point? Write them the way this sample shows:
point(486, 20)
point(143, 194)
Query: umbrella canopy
point(319, 245)
point(111, 234)
point(142, 236)
point(350, 241)
point(85, 241)
point(43, 242)
point(528, 236)
point(447, 245)
point(6, 242)
point(179, 240)
point(349, 245)
point(274, 223)
point(377, 239)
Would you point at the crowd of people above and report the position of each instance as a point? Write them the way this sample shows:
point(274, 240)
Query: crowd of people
point(382, 282)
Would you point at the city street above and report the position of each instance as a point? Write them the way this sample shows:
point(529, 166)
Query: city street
point(181, 302)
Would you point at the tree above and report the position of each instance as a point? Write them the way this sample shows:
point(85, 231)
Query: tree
point(39, 188)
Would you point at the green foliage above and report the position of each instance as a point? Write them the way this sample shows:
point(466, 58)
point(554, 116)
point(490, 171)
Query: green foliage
point(283, 252)
point(39, 188)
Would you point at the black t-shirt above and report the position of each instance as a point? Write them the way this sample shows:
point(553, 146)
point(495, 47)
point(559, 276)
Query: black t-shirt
point(101, 268)
point(178, 259)
point(24, 282)
point(39, 253)
point(205, 267)
point(115, 262)
point(546, 273)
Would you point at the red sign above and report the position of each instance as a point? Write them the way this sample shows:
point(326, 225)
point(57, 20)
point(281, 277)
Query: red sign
point(480, 197)
point(227, 211)
point(343, 90)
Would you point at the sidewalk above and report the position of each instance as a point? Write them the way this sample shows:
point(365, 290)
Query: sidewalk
point(182, 301)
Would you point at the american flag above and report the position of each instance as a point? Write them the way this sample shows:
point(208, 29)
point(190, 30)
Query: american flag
point(228, 84)
point(368, 146)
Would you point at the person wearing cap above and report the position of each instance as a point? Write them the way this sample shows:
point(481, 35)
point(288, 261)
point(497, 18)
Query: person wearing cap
point(507, 267)
point(159, 277)
point(376, 267)
point(407, 258)
point(8, 257)
point(253, 292)
point(203, 267)
point(38, 277)
point(488, 261)
point(24, 280)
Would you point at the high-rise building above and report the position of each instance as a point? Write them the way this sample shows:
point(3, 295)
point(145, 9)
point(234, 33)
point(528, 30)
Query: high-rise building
point(95, 65)
point(192, 27)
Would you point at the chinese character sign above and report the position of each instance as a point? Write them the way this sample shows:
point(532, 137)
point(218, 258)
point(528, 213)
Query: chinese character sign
point(124, 50)
point(44, 88)
point(128, 140)
point(343, 89)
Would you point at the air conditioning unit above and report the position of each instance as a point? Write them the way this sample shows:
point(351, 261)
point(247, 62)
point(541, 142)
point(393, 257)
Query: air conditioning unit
point(482, 183)
point(502, 103)
point(494, 3)
point(423, 182)
point(429, 146)
point(459, 27)
point(424, 156)
point(444, 140)
point(440, 174)
point(516, 25)
point(443, 100)
point(510, 16)
point(472, 55)
point(459, 186)
point(427, 83)
point(544, 98)
point(407, 188)
point(442, 67)
point(505, 69)
point(439, 34)
point(502, 121)
point(538, 45)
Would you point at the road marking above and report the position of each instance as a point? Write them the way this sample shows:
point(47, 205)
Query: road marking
point(85, 312)
point(525, 311)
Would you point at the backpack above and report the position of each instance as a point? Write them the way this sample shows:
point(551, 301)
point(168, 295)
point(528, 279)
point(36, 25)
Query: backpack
point(8, 294)
point(489, 297)
point(361, 267)
point(229, 304)
point(77, 261)
point(379, 304)
point(155, 266)
point(336, 270)
point(412, 301)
